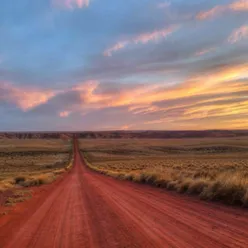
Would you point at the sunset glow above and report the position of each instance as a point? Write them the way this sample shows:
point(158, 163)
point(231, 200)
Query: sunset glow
point(99, 65)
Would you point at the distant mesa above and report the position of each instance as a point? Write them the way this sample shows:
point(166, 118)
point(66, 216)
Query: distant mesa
point(148, 134)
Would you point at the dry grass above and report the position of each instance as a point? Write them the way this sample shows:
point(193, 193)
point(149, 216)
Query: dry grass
point(32, 162)
point(32, 145)
point(18, 196)
point(213, 169)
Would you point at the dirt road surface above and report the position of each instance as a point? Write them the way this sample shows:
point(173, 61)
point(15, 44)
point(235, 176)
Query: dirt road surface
point(86, 209)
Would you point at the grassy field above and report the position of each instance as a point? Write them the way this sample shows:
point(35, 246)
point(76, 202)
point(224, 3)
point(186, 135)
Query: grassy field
point(214, 169)
point(32, 162)
point(31, 145)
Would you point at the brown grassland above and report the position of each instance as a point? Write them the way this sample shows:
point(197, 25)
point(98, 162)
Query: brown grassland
point(212, 168)
point(30, 162)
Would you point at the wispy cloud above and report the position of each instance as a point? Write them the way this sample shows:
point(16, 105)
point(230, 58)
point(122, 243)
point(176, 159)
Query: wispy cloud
point(154, 36)
point(205, 51)
point(71, 4)
point(239, 34)
point(140, 99)
point(240, 6)
point(115, 48)
point(211, 13)
point(143, 38)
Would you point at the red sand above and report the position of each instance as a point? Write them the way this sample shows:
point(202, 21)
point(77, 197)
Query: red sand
point(86, 209)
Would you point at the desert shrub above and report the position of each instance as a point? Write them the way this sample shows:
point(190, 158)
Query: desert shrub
point(19, 179)
point(171, 185)
point(136, 177)
point(197, 186)
point(229, 188)
point(183, 186)
point(129, 177)
point(245, 198)
point(38, 180)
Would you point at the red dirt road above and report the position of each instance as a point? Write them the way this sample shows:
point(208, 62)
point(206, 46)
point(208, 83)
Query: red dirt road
point(86, 209)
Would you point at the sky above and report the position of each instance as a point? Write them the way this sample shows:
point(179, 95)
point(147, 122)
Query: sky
point(130, 65)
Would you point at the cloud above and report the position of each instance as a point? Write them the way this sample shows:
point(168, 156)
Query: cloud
point(125, 127)
point(64, 113)
point(115, 48)
point(193, 79)
point(200, 98)
point(238, 34)
point(238, 6)
point(143, 38)
point(71, 4)
point(164, 5)
point(154, 36)
point(217, 10)
point(205, 51)
point(241, 5)
point(24, 98)
point(219, 94)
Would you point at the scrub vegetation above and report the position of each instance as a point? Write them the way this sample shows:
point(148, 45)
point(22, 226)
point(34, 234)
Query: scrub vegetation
point(32, 162)
point(212, 168)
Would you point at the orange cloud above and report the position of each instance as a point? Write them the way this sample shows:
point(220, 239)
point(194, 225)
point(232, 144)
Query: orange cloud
point(70, 4)
point(125, 127)
point(92, 99)
point(141, 38)
point(141, 100)
point(220, 94)
point(239, 34)
point(89, 97)
point(26, 98)
point(141, 97)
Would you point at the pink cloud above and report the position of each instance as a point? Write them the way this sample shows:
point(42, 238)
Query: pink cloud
point(64, 113)
point(163, 5)
point(205, 51)
point(115, 48)
point(71, 4)
point(238, 34)
point(211, 13)
point(25, 98)
point(154, 36)
point(241, 5)
point(141, 38)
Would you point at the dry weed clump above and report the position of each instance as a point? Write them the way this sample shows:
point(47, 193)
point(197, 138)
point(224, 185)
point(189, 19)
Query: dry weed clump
point(18, 196)
point(37, 180)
